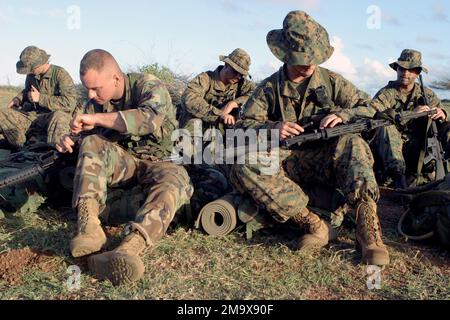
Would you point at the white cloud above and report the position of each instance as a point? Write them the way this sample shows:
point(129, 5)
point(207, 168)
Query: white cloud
point(266, 69)
point(390, 19)
point(427, 39)
point(6, 15)
point(56, 13)
point(30, 11)
point(370, 76)
point(339, 62)
point(439, 13)
point(373, 75)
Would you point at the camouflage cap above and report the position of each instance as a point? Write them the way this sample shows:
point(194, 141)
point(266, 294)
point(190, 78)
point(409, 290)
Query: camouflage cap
point(30, 58)
point(239, 60)
point(409, 59)
point(302, 41)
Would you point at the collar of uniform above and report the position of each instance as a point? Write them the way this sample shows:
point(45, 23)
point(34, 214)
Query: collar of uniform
point(416, 92)
point(126, 98)
point(290, 89)
point(46, 75)
point(217, 84)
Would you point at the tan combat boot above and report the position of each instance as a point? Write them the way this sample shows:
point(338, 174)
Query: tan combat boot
point(319, 231)
point(90, 237)
point(368, 234)
point(122, 265)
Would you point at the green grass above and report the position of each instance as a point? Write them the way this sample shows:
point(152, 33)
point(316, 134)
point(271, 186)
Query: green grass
point(188, 264)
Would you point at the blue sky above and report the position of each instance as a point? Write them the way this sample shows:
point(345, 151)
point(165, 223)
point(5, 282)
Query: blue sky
point(189, 35)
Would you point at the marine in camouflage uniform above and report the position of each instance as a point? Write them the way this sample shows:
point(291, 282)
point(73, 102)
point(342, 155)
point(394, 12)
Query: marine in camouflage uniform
point(146, 120)
point(346, 162)
point(212, 100)
point(397, 148)
point(44, 108)
point(213, 96)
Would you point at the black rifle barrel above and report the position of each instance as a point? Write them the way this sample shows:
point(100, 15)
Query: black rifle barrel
point(357, 127)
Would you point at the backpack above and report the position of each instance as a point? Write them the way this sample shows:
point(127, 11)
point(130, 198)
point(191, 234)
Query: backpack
point(428, 214)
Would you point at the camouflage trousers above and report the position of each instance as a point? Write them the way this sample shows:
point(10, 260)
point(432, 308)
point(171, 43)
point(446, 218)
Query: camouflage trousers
point(345, 163)
point(16, 126)
point(398, 152)
point(102, 165)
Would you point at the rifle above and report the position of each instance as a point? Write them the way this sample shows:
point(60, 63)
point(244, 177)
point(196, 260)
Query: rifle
point(356, 127)
point(49, 161)
point(45, 162)
point(434, 150)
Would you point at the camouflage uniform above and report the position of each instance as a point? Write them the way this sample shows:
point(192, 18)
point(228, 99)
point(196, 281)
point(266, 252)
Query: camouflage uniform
point(345, 162)
point(206, 95)
point(51, 115)
point(202, 102)
point(394, 144)
point(150, 119)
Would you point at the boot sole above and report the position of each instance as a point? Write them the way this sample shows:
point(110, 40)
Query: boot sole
point(314, 246)
point(80, 250)
point(84, 251)
point(119, 269)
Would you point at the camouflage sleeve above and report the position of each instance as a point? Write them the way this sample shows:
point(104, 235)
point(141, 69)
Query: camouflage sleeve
point(246, 91)
point(67, 98)
point(153, 106)
point(354, 102)
point(383, 101)
point(194, 99)
point(435, 102)
point(255, 113)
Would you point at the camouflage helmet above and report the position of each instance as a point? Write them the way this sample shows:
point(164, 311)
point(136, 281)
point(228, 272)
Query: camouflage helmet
point(302, 41)
point(239, 60)
point(409, 59)
point(30, 58)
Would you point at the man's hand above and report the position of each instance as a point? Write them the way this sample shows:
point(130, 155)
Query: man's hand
point(289, 129)
point(421, 109)
point(34, 95)
point(82, 122)
point(15, 103)
point(65, 145)
point(440, 114)
point(330, 121)
point(229, 108)
point(228, 119)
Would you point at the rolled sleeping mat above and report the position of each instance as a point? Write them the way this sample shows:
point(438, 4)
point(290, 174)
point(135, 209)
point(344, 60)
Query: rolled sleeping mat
point(219, 218)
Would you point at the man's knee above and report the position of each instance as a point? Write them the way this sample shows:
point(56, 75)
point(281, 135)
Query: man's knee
point(94, 143)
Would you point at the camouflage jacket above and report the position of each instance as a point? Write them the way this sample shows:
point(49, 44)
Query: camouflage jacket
point(149, 115)
point(278, 99)
point(390, 97)
point(56, 88)
point(206, 95)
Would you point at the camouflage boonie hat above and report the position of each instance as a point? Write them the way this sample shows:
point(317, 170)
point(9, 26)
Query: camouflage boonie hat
point(302, 41)
point(409, 59)
point(30, 58)
point(239, 60)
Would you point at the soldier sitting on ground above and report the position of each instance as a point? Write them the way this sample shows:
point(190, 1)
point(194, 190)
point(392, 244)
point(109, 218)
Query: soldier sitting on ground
point(286, 102)
point(397, 149)
point(44, 108)
point(139, 109)
point(214, 97)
